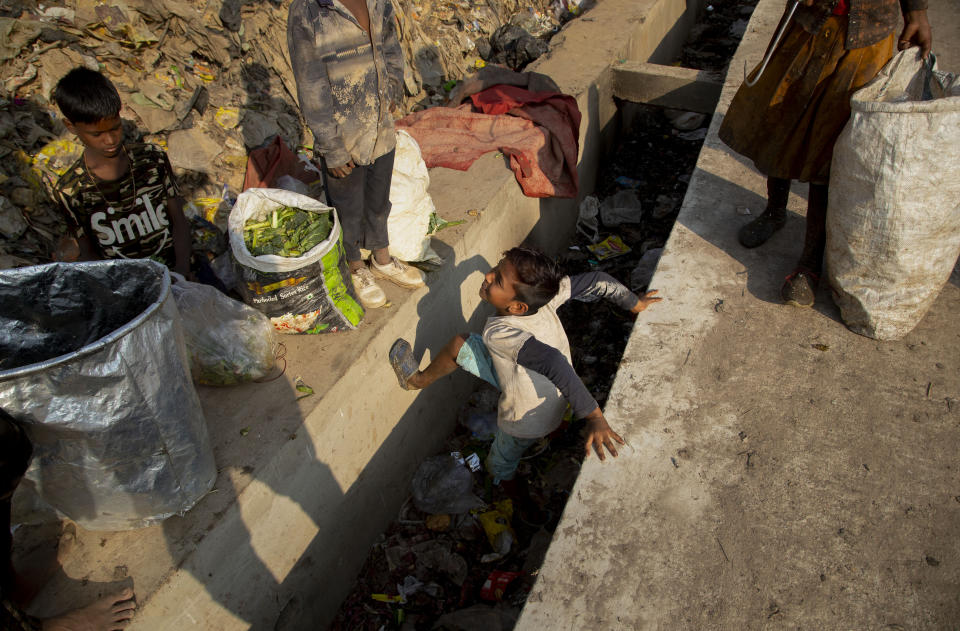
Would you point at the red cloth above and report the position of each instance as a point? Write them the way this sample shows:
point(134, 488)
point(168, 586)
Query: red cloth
point(266, 164)
point(539, 131)
point(842, 8)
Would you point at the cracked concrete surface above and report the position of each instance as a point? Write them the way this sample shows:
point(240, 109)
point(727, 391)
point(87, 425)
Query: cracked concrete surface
point(783, 471)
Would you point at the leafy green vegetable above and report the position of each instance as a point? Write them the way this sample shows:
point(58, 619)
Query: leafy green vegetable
point(438, 223)
point(286, 231)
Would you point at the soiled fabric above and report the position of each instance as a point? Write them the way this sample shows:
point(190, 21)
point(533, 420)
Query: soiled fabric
point(346, 78)
point(539, 131)
point(789, 121)
point(870, 20)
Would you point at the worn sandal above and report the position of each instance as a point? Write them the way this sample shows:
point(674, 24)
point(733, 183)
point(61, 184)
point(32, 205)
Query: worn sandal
point(758, 231)
point(800, 288)
point(403, 363)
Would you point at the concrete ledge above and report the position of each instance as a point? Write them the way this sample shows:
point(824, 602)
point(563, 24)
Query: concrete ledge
point(305, 485)
point(667, 86)
point(782, 471)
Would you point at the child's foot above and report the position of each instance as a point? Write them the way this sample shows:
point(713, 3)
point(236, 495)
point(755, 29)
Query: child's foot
point(398, 273)
point(406, 367)
point(368, 291)
point(107, 614)
point(758, 231)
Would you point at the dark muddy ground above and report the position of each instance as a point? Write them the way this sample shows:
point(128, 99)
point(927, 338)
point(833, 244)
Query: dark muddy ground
point(655, 160)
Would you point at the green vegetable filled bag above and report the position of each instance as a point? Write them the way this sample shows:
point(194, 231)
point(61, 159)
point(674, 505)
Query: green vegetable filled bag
point(291, 263)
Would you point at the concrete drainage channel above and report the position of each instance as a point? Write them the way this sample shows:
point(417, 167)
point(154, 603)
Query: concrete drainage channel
point(435, 571)
point(305, 486)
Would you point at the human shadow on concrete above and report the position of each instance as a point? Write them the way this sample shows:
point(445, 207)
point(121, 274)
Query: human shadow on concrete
point(284, 599)
point(434, 327)
point(711, 212)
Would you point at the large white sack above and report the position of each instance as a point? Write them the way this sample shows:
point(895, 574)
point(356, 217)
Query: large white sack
point(893, 224)
point(411, 203)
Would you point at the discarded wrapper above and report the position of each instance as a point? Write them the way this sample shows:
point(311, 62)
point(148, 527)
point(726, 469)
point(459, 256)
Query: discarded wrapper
point(497, 583)
point(473, 461)
point(500, 534)
point(610, 247)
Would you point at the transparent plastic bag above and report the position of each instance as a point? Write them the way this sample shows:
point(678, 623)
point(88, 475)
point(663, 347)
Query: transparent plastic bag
point(228, 342)
point(444, 485)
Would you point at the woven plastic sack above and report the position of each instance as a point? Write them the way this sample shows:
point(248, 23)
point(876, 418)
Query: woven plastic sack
point(410, 203)
point(311, 293)
point(227, 341)
point(893, 225)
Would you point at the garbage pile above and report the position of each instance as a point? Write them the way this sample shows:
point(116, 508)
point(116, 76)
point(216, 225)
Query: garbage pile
point(459, 556)
point(208, 81)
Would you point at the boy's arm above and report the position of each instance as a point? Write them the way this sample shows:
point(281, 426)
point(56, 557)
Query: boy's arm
point(179, 226)
point(592, 286)
point(313, 91)
point(180, 231)
point(552, 364)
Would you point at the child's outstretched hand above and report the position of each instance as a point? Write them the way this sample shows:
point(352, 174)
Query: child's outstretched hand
point(645, 301)
point(599, 435)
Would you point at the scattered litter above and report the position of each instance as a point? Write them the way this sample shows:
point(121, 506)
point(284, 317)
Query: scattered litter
point(301, 387)
point(664, 206)
point(685, 121)
point(698, 134)
point(497, 583)
point(500, 534)
point(444, 485)
point(821, 347)
point(587, 221)
point(743, 210)
point(473, 461)
point(620, 208)
point(438, 523)
point(608, 248)
point(227, 117)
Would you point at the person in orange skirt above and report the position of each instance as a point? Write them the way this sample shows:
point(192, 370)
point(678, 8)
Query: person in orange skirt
point(789, 119)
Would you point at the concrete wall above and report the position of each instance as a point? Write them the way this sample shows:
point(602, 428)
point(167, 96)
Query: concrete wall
point(304, 493)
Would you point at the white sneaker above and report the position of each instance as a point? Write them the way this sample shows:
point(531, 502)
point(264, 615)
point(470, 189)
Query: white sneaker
point(398, 272)
point(368, 291)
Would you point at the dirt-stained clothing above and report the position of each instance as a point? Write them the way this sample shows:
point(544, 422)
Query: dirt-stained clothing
point(125, 218)
point(346, 78)
point(869, 21)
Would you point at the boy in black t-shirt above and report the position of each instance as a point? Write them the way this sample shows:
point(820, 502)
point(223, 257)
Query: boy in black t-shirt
point(121, 199)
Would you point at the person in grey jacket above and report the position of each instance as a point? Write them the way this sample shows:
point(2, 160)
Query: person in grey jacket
point(348, 66)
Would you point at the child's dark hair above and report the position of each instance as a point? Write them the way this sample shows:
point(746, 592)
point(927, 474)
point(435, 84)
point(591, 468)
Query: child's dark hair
point(539, 277)
point(15, 452)
point(86, 96)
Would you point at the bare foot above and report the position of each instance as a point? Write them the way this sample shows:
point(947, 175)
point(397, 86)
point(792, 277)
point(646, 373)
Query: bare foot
point(107, 614)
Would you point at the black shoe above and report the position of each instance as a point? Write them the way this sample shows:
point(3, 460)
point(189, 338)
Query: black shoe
point(758, 231)
point(404, 365)
point(800, 288)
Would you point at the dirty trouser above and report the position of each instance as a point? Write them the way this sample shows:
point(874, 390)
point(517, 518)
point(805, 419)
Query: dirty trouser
point(362, 200)
point(506, 451)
